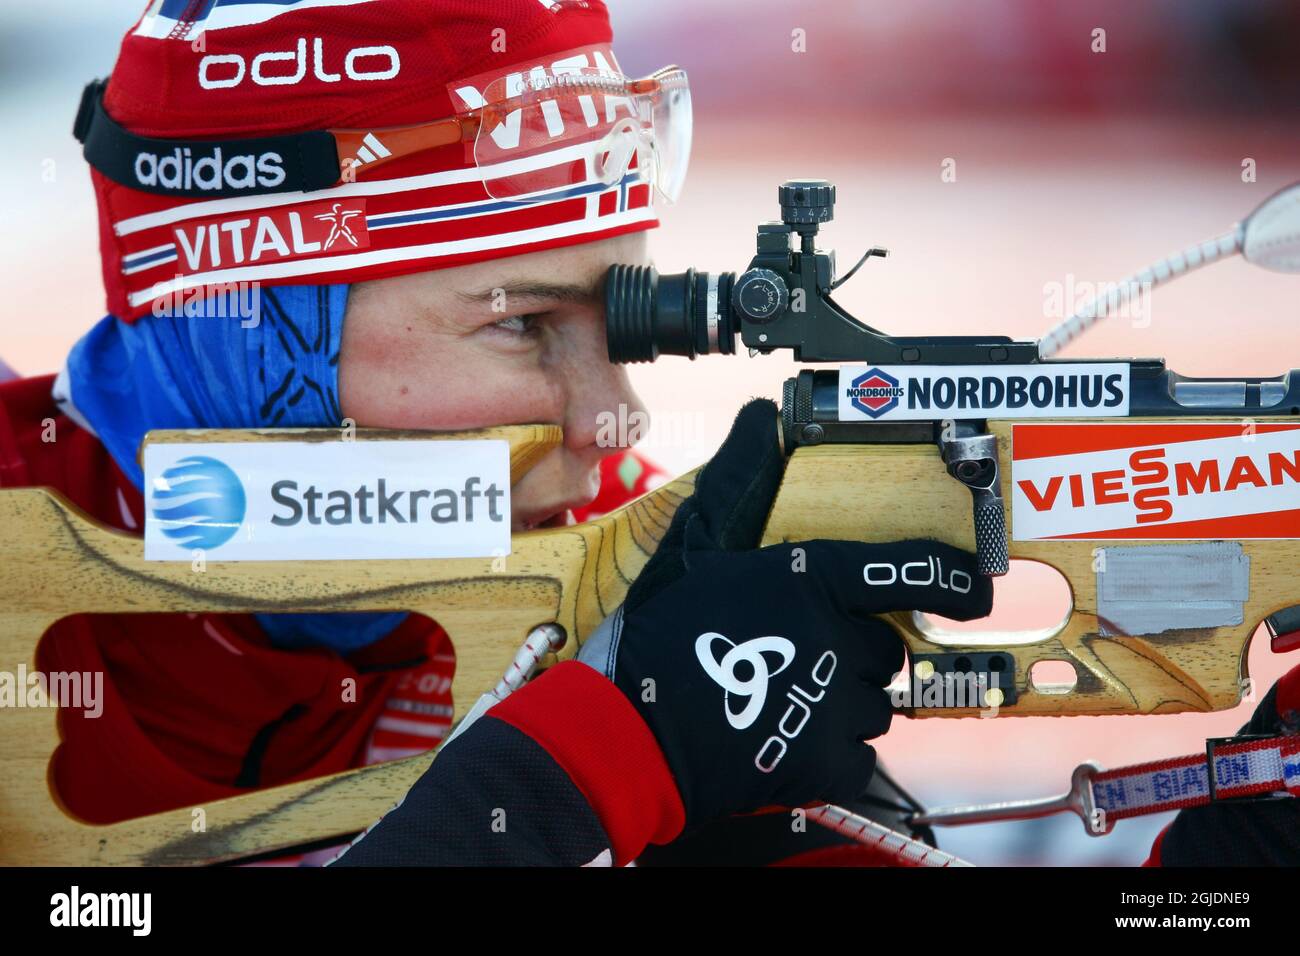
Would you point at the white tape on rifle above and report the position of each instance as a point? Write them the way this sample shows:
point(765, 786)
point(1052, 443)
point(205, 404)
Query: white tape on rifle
point(1155, 588)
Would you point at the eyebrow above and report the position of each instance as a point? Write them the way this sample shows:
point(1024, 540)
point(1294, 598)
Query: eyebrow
point(539, 291)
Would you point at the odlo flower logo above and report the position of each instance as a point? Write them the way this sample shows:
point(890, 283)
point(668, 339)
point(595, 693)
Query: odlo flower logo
point(199, 502)
point(743, 671)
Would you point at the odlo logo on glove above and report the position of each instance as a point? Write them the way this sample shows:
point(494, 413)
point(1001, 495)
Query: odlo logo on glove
point(747, 658)
point(796, 647)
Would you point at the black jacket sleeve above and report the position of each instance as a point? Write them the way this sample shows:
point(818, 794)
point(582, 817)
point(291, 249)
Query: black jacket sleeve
point(493, 797)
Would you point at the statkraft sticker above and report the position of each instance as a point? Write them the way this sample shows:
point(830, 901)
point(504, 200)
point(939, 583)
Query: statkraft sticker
point(320, 501)
point(915, 392)
point(1156, 481)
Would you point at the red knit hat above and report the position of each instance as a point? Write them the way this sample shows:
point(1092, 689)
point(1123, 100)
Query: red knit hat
point(183, 204)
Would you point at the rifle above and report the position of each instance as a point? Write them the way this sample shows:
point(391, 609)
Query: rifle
point(962, 423)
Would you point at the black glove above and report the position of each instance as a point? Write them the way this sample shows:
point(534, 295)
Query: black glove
point(760, 672)
point(1247, 832)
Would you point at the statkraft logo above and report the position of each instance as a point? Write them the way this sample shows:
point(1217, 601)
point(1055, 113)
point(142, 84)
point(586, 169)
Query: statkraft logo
point(324, 500)
point(199, 502)
point(875, 392)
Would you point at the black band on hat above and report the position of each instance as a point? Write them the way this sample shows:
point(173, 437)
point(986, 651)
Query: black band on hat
point(203, 169)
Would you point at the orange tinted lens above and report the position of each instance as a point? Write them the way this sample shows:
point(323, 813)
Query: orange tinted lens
point(544, 133)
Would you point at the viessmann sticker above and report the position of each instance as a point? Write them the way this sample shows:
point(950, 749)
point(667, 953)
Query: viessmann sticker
point(916, 392)
point(314, 501)
point(1158, 481)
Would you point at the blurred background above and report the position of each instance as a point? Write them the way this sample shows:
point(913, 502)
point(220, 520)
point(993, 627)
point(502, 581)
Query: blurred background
point(1079, 156)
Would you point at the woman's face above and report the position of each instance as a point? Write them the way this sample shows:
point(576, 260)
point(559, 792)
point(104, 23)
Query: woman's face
point(506, 342)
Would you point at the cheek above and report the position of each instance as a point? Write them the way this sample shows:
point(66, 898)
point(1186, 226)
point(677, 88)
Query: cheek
point(417, 380)
point(495, 393)
point(383, 370)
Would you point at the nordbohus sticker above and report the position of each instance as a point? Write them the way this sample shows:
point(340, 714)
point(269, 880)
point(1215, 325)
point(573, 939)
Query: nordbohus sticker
point(314, 501)
point(916, 392)
point(1155, 481)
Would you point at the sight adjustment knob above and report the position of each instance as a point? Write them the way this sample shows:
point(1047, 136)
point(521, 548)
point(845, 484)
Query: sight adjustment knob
point(805, 201)
point(760, 294)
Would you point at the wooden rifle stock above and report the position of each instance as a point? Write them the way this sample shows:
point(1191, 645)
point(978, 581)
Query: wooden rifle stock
point(57, 562)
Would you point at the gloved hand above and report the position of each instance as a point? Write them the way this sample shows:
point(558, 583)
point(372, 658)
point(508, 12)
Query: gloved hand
point(760, 672)
point(1246, 832)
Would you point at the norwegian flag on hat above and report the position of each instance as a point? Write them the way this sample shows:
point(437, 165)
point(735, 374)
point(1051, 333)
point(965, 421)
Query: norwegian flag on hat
point(223, 70)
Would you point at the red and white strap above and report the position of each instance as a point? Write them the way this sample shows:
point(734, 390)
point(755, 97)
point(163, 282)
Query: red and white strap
point(891, 845)
point(1242, 767)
